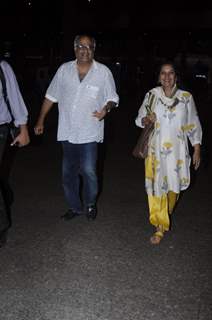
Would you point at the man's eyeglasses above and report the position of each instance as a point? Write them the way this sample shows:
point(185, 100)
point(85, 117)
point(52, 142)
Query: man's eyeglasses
point(84, 47)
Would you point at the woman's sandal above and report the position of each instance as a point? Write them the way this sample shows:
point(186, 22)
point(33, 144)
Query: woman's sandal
point(157, 237)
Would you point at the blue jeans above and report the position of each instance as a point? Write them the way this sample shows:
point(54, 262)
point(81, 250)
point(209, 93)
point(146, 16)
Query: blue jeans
point(79, 160)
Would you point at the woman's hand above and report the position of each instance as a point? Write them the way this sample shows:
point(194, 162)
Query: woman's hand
point(150, 118)
point(196, 156)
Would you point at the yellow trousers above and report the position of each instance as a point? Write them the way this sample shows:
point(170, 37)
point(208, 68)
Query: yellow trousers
point(160, 208)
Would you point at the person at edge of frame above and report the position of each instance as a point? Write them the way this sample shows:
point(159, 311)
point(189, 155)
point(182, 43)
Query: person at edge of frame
point(20, 117)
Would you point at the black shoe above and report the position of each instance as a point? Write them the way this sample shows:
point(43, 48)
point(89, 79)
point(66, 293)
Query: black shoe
point(3, 239)
point(70, 214)
point(91, 212)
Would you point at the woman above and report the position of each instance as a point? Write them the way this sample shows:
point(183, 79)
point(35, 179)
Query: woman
point(167, 166)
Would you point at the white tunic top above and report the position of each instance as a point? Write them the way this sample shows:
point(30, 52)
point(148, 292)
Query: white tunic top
point(78, 100)
point(177, 121)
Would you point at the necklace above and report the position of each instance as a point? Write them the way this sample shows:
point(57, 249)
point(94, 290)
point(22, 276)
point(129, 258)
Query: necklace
point(174, 103)
point(171, 106)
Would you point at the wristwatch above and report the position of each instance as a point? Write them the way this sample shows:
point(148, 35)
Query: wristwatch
point(108, 108)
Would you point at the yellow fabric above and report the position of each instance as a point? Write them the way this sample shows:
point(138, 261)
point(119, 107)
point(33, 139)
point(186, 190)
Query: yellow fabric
point(168, 162)
point(150, 167)
point(160, 208)
point(172, 199)
point(158, 234)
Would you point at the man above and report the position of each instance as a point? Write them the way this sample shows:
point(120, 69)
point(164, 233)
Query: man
point(9, 95)
point(85, 92)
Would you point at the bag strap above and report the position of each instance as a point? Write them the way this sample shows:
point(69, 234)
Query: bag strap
point(151, 98)
point(4, 90)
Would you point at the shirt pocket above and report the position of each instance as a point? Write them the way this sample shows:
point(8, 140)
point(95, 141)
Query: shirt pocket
point(91, 91)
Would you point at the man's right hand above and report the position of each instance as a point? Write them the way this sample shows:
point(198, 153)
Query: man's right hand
point(39, 128)
point(46, 106)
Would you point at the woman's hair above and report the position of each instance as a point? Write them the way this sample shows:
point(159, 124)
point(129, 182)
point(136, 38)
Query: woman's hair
point(170, 63)
point(78, 37)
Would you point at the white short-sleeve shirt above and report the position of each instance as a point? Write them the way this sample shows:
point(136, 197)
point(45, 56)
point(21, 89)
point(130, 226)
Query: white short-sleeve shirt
point(78, 100)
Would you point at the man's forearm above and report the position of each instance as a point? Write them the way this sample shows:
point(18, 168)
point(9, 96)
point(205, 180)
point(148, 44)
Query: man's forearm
point(45, 108)
point(23, 127)
point(197, 147)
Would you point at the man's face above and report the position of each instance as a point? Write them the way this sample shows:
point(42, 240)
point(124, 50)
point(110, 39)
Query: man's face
point(84, 50)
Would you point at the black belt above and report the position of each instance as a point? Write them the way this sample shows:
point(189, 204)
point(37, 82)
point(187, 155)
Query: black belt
point(3, 125)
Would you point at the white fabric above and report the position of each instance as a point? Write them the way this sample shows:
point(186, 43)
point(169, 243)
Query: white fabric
point(78, 100)
point(14, 95)
point(173, 128)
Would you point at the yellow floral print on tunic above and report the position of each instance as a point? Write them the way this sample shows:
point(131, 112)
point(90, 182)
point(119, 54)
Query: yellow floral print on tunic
point(167, 166)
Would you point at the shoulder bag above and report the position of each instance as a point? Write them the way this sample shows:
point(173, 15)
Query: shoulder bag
point(140, 150)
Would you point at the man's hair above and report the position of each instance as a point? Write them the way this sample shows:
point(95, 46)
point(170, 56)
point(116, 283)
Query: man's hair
point(78, 37)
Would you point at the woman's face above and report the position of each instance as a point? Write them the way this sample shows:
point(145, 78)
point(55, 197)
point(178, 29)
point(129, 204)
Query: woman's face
point(167, 76)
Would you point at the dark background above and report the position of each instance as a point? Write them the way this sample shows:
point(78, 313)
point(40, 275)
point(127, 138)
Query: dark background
point(106, 269)
point(133, 37)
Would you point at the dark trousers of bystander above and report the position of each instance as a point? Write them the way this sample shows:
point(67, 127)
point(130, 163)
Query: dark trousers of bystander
point(4, 213)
